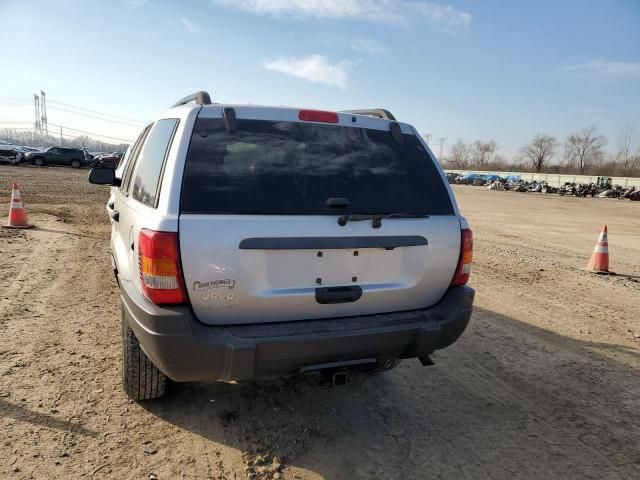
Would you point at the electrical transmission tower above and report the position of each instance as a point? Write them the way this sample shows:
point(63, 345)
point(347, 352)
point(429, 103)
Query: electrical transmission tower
point(441, 139)
point(36, 104)
point(43, 111)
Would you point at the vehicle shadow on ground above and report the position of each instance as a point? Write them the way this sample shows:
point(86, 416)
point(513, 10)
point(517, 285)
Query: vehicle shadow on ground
point(23, 414)
point(67, 232)
point(502, 398)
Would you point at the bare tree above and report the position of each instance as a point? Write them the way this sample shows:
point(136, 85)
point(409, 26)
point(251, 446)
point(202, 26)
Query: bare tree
point(460, 156)
point(584, 149)
point(626, 157)
point(540, 151)
point(483, 153)
point(34, 139)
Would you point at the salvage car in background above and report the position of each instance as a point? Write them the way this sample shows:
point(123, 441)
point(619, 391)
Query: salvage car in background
point(73, 157)
point(9, 154)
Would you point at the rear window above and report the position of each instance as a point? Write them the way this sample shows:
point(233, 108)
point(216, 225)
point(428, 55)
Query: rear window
point(292, 168)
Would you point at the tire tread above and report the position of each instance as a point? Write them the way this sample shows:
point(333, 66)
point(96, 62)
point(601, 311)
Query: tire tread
point(141, 379)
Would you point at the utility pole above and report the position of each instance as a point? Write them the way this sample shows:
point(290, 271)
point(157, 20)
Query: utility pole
point(43, 118)
point(441, 140)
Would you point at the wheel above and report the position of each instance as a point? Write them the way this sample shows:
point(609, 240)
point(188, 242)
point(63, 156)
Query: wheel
point(75, 164)
point(39, 162)
point(141, 379)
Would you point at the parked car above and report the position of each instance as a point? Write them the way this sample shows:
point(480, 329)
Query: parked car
point(22, 151)
point(252, 242)
point(9, 153)
point(73, 157)
point(88, 156)
point(110, 160)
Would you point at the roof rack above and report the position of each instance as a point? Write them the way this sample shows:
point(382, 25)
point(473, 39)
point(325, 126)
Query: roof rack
point(201, 98)
point(373, 112)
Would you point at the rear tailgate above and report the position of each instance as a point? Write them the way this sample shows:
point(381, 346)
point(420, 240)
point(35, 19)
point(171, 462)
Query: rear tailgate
point(259, 243)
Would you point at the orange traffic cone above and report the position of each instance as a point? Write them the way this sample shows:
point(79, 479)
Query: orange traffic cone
point(599, 262)
point(17, 215)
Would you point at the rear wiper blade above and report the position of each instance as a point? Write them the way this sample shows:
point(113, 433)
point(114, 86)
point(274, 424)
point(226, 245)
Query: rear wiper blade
point(376, 220)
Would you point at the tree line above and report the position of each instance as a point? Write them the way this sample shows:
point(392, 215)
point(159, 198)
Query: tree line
point(33, 139)
point(580, 153)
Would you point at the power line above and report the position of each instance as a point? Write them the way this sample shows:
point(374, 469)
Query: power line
point(96, 112)
point(18, 101)
point(91, 133)
point(124, 122)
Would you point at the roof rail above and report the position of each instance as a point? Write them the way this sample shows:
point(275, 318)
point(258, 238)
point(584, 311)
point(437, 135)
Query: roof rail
point(373, 112)
point(201, 98)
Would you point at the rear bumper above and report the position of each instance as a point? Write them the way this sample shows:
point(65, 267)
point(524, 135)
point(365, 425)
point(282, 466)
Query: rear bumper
point(187, 350)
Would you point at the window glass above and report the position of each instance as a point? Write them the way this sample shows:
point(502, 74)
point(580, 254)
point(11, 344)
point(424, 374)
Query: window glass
point(146, 179)
point(292, 168)
point(126, 178)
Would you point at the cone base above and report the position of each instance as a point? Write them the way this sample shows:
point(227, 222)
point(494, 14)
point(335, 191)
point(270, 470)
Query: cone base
point(597, 272)
point(18, 227)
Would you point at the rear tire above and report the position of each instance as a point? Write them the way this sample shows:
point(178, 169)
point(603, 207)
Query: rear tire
point(39, 162)
point(141, 379)
point(75, 164)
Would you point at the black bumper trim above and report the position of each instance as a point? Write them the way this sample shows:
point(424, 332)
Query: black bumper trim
point(187, 350)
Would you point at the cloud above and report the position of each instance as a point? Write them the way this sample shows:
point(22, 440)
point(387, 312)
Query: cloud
point(395, 12)
point(604, 69)
point(314, 68)
point(191, 26)
point(370, 46)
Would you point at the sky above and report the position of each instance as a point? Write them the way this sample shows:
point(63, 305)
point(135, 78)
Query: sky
point(455, 69)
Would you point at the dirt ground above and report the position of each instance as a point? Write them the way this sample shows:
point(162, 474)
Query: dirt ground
point(544, 384)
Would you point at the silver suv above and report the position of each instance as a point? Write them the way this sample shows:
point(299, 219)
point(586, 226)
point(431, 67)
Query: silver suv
point(252, 242)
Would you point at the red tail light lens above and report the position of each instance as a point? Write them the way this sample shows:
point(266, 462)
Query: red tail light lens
point(318, 116)
point(466, 258)
point(160, 270)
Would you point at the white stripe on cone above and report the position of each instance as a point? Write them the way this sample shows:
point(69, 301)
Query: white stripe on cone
point(601, 249)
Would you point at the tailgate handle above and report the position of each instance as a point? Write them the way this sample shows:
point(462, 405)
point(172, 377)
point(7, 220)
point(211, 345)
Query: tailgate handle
point(327, 295)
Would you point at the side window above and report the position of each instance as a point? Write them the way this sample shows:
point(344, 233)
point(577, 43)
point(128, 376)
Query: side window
point(146, 179)
point(133, 156)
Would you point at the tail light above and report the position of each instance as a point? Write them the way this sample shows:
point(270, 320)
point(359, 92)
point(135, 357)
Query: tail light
point(464, 262)
point(318, 116)
point(160, 270)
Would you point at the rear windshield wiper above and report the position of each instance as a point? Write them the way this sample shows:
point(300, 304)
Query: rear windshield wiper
point(376, 220)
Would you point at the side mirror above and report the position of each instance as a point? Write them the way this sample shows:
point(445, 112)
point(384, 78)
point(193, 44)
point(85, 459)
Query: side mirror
point(103, 176)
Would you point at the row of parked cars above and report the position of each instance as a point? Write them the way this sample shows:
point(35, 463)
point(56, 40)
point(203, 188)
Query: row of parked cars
point(72, 157)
